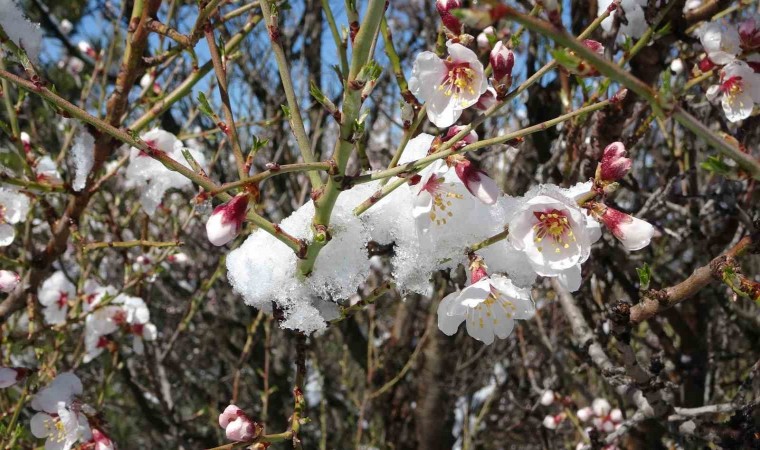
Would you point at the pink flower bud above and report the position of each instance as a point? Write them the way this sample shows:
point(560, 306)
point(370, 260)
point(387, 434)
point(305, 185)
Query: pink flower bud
point(178, 258)
point(487, 100)
point(8, 280)
point(502, 62)
point(480, 185)
point(550, 423)
point(749, 34)
point(100, 440)
point(449, 20)
point(237, 425)
point(594, 46)
point(445, 6)
point(614, 164)
point(26, 140)
point(226, 220)
point(633, 233)
point(468, 138)
point(483, 41)
point(87, 49)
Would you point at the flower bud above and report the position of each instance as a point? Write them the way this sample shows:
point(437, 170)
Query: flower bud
point(178, 258)
point(66, 26)
point(584, 414)
point(749, 34)
point(484, 42)
point(8, 280)
point(26, 140)
point(237, 425)
point(616, 415)
point(502, 62)
point(676, 66)
point(468, 138)
point(633, 233)
point(87, 49)
point(601, 407)
point(547, 398)
point(614, 164)
point(449, 20)
point(477, 182)
point(226, 220)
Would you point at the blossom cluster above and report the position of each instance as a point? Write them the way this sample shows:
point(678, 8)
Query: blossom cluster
point(61, 418)
point(599, 417)
point(736, 51)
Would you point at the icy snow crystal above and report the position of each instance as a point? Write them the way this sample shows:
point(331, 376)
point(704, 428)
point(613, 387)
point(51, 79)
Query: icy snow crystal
point(19, 29)
point(83, 158)
point(152, 177)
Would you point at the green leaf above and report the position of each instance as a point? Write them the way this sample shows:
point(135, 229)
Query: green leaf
point(645, 277)
point(205, 107)
point(565, 59)
point(716, 165)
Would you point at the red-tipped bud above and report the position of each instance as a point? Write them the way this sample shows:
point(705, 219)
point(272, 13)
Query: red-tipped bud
point(237, 425)
point(449, 20)
point(633, 233)
point(226, 220)
point(614, 164)
point(87, 49)
point(8, 280)
point(477, 182)
point(502, 62)
point(468, 138)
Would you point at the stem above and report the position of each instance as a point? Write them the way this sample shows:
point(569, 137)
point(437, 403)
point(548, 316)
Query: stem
point(221, 76)
point(261, 176)
point(296, 120)
point(127, 244)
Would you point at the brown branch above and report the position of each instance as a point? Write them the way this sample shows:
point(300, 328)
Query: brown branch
point(657, 301)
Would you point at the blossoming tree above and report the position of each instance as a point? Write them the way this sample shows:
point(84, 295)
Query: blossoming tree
point(236, 224)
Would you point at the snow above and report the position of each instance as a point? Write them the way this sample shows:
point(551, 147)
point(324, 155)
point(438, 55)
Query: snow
point(82, 158)
point(152, 177)
point(19, 29)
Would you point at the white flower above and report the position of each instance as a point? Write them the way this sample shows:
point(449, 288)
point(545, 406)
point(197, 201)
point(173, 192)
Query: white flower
point(554, 233)
point(8, 280)
point(601, 407)
point(634, 14)
point(59, 419)
point(448, 86)
point(489, 308)
point(14, 207)
point(226, 220)
point(721, 43)
point(633, 233)
point(550, 422)
point(54, 295)
point(547, 398)
point(584, 414)
point(739, 90)
point(237, 425)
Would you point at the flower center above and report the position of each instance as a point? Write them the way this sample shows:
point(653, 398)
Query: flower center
point(554, 225)
point(732, 86)
point(441, 199)
point(458, 78)
point(119, 317)
point(63, 298)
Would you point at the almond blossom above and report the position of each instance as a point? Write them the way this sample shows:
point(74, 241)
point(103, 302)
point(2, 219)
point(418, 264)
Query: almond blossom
point(721, 42)
point(739, 90)
point(601, 415)
point(14, 207)
point(8, 280)
point(554, 233)
point(54, 295)
point(124, 312)
point(489, 306)
point(633, 233)
point(237, 425)
point(226, 220)
point(60, 419)
point(448, 86)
